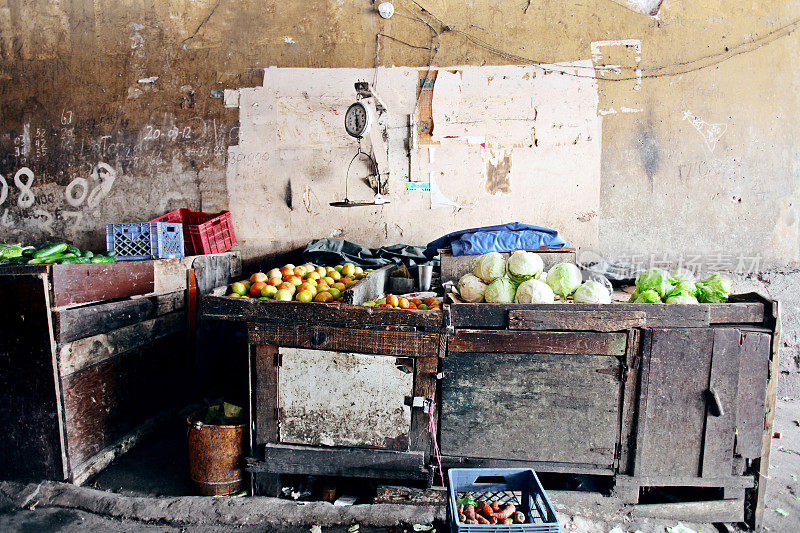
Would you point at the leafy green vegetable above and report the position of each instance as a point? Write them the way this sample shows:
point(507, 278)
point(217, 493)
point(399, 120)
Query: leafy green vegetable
point(634, 295)
point(501, 291)
point(648, 297)
point(683, 288)
point(522, 265)
point(534, 291)
point(714, 289)
point(654, 279)
point(681, 299)
point(564, 279)
point(471, 288)
point(490, 266)
point(591, 292)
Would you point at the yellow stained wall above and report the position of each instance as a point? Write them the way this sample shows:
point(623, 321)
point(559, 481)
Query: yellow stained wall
point(75, 92)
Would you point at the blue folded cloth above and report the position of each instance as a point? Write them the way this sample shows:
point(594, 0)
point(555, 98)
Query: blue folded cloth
point(511, 236)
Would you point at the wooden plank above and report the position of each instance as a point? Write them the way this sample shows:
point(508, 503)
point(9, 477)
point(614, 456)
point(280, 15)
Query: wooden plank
point(265, 408)
point(452, 268)
point(483, 315)
point(535, 407)
point(720, 431)
point(30, 412)
point(368, 288)
point(755, 519)
point(347, 462)
point(579, 342)
point(630, 388)
point(425, 370)
point(407, 343)
point(74, 284)
point(671, 424)
point(737, 313)
point(742, 482)
point(698, 512)
point(215, 270)
point(78, 355)
point(81, 322)
point(106, 401)
point(219, 307)
point(451, 461)
point(754, 364)
point(571, 320)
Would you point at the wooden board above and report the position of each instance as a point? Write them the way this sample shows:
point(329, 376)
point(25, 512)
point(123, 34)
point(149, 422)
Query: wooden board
point(74, 284)
point(454, 267)
point(579, 342)
point(106, 401)
point(728, 511)
point(216, 270)
point(537, 407)
point(218, 307)
point(382, 342)
point(450, 461)
point(264, 375)
point(343, 399)
point(81, 322)
point(368, 288)
point(672, 406)
point(31, 448)
point(78, 355)
point(754, 363)
point(559, 319)
point(720, 431)
point(737, 313)
point(425, 370)
point(352, 462)
point(630, 391)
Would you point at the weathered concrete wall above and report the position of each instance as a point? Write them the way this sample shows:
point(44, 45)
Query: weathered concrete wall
point(699, 121)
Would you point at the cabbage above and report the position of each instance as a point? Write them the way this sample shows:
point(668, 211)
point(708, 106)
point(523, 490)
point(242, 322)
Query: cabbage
point(564, 278)
point(500, 291)
point(654, 279)
point(682, 274)
point(534, 291)
point(683, 288)
point(648, 297)
point(682, 299)
point(634, 295)
point(490, 266)
point(471, 288)
point(714, 289)
point(523, 265)
point(541, 276)
point(592, 292)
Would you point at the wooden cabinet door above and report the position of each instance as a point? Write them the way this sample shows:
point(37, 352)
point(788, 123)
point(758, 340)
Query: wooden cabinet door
point(692, 402)
point(556, 402)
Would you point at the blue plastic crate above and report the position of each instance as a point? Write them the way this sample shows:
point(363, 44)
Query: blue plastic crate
point(519, 486)
point(134, 241)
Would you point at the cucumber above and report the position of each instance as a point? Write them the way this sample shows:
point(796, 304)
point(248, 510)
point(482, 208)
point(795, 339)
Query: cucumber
point(28, 252)
point(63, 257)
point(112, 253)
point(74, 249)
point(51, 250)
point(88, 254)
point(74, 261)
point(103, 259)
point(36, 261)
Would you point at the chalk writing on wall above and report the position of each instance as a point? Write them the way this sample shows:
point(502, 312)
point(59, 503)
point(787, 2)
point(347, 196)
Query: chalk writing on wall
point(711, 133)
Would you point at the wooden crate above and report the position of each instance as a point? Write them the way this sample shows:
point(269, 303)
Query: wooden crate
point(90, 357)
point(454, 267)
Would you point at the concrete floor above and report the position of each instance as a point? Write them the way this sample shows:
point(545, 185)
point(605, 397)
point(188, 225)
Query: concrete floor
point(157, 467)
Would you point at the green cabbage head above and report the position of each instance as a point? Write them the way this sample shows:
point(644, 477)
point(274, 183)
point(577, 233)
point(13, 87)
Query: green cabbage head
point(534, 291)
point(471, 288)
point(713, 290)
point(682, 274)
point(682, 299)
point(654, 279)
point(683, 288)
point(591, 292)
point(490, 266)
point(564, 278)
point(500, 291)
point(522, 266)
point(648, 297)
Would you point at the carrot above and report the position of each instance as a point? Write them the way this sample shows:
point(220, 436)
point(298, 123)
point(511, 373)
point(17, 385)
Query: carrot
point(462, 518)
point(492, 520)
point(469, 511)
point(460, 508)
point(486, 509)
point(495, 506)
point(481, 519)
point(519, 517)
point(471, 521)
point(507, 511)
point(507, 521)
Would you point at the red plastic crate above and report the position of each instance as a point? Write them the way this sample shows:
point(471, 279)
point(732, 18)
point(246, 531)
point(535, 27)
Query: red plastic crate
point(203, 233)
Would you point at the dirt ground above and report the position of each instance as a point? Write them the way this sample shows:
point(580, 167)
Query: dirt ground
point(153, 470)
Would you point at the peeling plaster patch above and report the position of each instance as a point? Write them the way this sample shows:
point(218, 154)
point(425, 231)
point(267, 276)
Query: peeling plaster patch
point(603, 69)
point(711, 133)
point(151, 79)
point(587, 216)
point(288, 40)
point(231, 98)
point(630, 110)
point(644, 7)
point(498, 172)
point(610, 111)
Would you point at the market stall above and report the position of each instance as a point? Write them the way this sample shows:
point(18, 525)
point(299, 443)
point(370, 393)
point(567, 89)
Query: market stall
point(644, 397)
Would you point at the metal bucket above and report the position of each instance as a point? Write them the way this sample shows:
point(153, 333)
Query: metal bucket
point(216, 458)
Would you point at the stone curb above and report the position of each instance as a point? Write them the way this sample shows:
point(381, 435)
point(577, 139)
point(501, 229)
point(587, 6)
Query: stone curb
point(199, 510)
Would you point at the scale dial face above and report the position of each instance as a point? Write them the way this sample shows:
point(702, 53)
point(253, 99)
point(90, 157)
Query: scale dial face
point(357, 120)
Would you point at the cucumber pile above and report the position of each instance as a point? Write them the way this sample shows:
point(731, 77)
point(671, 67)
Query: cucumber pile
point(60, 253)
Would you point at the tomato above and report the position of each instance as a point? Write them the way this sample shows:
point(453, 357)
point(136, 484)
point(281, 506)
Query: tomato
point(431, 300)
point(403, 303)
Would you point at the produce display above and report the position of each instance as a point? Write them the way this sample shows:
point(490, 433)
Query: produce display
point(393, 301)
point(60, 253)
point(659, 286)
point(304, 283)
point(471, 511)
